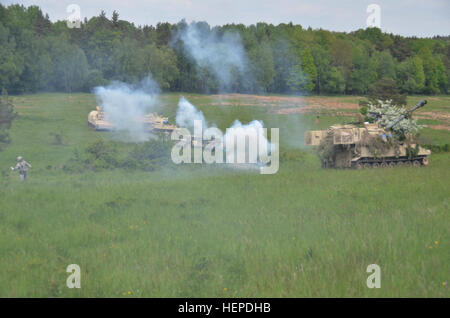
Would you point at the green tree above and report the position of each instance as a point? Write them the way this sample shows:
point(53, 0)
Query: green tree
point(386, 67)
point(400, 49)
point(410, 75)
point(309, 69)
point(364, 72)
point(431, 70)
point(442, 76)
point(11, 64)
point(126, 63)
point(342, 57)
point(374, 35)
point(322, 62)
point(70, 67)
point(263, 67)
point(386, 89)
point(37, 63)
point(100, 47)
point(7, 115)
point(297, 80)
point(162, 64)
point(36, 54)
point(115, 18)
point(334, 81)
point(94, 78)
point(285, 60)
point(163, 34)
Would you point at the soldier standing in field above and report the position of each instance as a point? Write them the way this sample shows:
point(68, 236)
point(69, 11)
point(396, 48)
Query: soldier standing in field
point(22, 166)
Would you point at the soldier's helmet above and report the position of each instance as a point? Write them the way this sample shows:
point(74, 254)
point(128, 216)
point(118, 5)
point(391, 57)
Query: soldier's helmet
point(19, 158)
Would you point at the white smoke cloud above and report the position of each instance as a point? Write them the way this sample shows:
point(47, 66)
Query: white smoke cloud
point(254, 133)
point(124, 105)
point(187, 113)
point(248, 140)
point(224, 54)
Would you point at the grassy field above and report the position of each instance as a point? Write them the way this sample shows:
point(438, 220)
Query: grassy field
point(204, 231)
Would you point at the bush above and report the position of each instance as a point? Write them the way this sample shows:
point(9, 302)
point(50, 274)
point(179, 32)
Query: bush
point(148, 155)
point(58, 139)
point(103, 155)
point(75, 164)
point(98, 155)
point(94, 78)
point(386, 89)
point(437, 148)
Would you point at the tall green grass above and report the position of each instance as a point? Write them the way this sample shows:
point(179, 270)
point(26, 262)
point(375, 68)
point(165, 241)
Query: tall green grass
point(208, 231)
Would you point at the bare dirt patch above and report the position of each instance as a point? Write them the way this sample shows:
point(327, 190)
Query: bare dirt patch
point(23, 107)
point(434, 115)
point(442, 117)
point(258, 99)
point(285, 104)
point(440, 127)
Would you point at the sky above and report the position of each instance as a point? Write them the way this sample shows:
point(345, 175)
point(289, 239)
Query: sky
point(422, 18)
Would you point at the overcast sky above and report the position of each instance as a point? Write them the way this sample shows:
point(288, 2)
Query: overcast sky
point(406, 17)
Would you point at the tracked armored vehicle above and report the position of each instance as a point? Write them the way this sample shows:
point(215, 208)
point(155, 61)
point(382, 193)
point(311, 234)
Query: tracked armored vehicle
point(155, 123)
point(96, 120)
point(152, 122)
point(370, 146)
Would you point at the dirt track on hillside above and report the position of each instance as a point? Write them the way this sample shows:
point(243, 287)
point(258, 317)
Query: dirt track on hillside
point(297, 104)
point(285, 105)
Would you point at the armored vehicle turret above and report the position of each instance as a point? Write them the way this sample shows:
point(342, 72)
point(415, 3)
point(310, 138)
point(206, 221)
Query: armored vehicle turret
point(97, 120)
point(369, 146)
point(155, 123)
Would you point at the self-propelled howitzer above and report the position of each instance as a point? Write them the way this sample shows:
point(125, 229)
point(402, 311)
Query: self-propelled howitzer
point(369, 146)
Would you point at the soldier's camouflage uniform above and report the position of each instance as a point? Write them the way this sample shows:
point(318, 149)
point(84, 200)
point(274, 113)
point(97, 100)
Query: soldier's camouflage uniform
point(23, 166)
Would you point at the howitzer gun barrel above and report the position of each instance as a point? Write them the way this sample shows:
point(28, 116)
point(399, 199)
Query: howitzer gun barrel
point(398, 119)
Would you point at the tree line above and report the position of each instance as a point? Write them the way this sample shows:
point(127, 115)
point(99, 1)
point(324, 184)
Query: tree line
point(37, 54)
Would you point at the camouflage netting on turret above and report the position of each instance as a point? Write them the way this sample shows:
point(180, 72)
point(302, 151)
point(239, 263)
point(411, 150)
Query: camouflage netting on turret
point(376, 145)
point(325, 150)
point(388, 112)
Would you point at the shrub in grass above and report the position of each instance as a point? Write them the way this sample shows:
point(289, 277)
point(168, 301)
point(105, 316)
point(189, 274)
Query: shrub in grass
point(101, 155)
point(438, 148)
point(148, 155)
point(104, 155)
point(58, 139)
point(98, 155)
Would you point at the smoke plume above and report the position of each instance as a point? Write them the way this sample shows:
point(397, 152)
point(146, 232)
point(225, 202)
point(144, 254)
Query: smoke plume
point(187, 113)
point(252, 133)
point(124, 105)
point(223, 54)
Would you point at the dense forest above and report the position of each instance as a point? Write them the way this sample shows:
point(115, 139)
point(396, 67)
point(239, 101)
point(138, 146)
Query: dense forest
point(38, 55)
